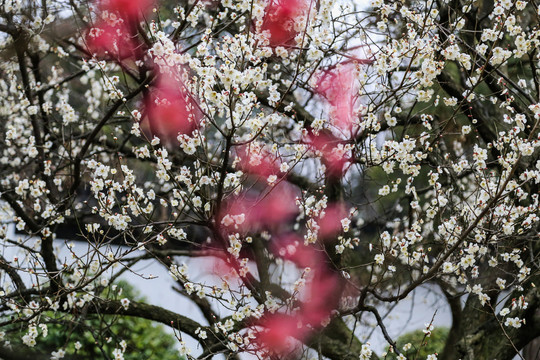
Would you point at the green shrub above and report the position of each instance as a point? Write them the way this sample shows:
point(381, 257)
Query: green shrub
point(420, 345)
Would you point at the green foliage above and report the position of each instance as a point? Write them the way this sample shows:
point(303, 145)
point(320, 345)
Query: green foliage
point(99, 335)
point(421, 345)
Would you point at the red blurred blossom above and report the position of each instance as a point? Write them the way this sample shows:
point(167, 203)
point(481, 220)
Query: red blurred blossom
point(333, 152)
point(339, 86)
point(330, 222)
point(127, 9)
point(291, 247)
point(257, 161)
point(253, 211)
point(171, 109)
point(219, 266)
point(108, 41)
point(279, 331)
point(322, 296)
point(115, 34)
point(280, 19)
point(323, 284)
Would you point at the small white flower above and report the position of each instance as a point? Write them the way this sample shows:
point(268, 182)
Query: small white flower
point(271, 179)
point(125, 303)
point(118, 354)
point(513, 322)
point(201, 333)
point(184, 350)
point(385, 190)
point(448, 267)
point(345, 224)
point(366, 352)
point(56, 355)
point(504, 312)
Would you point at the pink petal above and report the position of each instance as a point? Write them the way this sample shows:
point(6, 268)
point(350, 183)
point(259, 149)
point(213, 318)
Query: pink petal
point(291, 247)
point(267, 209)
point(256, 161)
point(339, 86)
point(278, 331)
point(111, 42)
point(330, 223)
point(171, 109)
point(333, 158)
point(280, 18)
point(323, 294)
point(128, 9)
point(221, 268)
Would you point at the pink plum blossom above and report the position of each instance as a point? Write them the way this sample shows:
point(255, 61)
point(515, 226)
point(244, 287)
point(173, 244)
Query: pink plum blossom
point(111, 41)
point(278, 333)
point(171, 109)
point(280, 20)
point(256, 161)
point(252, 211)
point(334, 155)
point(291, 247)
point(115, 34)
point(127, 9)
point(322, 294)
point(339, 86)
point(330, 222)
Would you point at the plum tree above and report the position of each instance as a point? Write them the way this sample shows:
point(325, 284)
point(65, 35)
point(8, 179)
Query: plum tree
point(327, 158)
